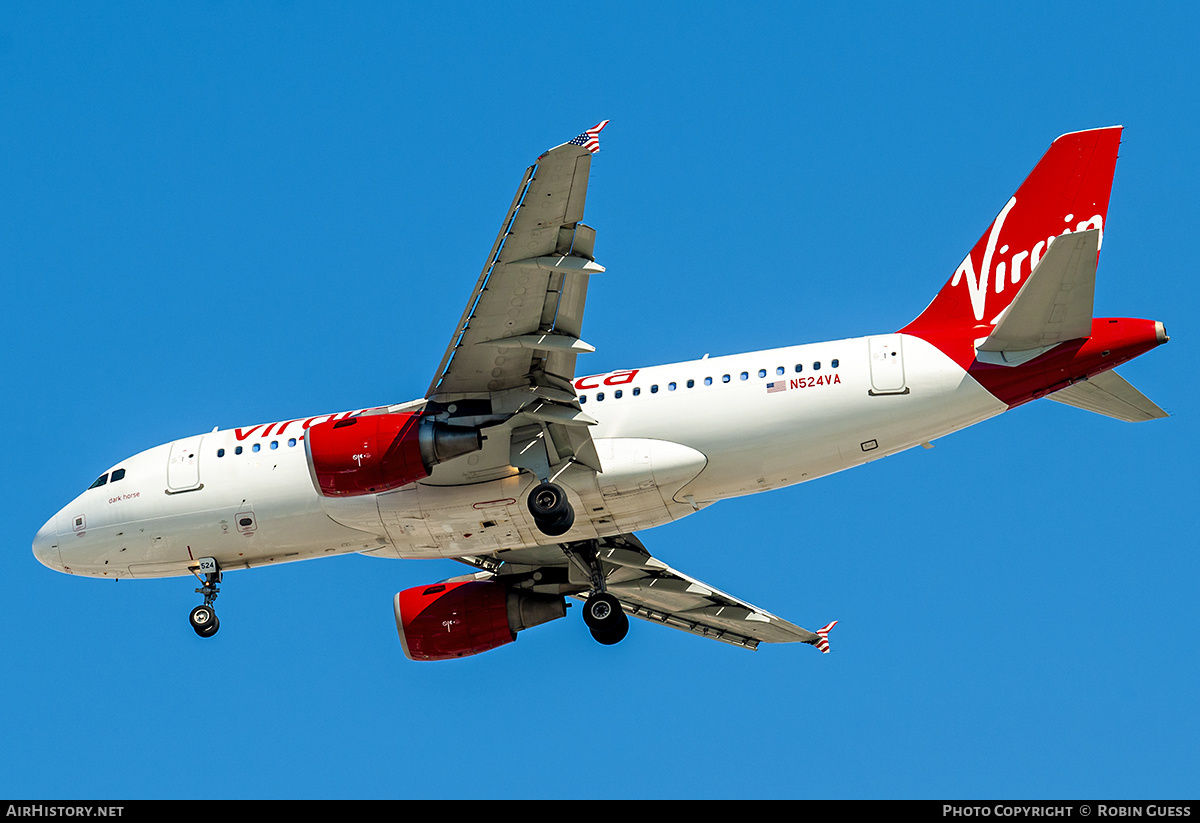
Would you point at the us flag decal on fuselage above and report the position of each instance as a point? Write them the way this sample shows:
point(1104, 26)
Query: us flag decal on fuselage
point(778, 385)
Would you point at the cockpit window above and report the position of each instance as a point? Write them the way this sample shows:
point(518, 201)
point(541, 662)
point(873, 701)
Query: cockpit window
point(118, 474)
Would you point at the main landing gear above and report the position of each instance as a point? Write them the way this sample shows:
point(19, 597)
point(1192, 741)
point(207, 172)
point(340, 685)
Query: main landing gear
point(553, 515)
point(602, 613)
point(605, 618)
point(204, 618)
point(552, 512)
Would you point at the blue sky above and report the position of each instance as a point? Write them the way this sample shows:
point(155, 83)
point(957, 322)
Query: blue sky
point(214, 215)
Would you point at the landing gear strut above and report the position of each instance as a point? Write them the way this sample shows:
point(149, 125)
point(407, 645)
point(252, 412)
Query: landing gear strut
point(204, 618)
point(602, 613)
point(552, 512)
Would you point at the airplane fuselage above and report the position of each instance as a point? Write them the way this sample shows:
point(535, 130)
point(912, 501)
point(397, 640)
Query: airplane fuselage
point(672, 439)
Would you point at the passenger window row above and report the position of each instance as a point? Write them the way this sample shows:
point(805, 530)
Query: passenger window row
point(274, 444)
point(708, 381)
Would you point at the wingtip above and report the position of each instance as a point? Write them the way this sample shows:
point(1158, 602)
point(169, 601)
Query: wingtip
point(823, 637)
point(590, 139)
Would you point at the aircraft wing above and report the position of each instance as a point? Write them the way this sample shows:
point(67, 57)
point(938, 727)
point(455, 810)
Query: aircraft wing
point(511, 360)
point(648, 589)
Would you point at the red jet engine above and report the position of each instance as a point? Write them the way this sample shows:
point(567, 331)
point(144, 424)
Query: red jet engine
point(373, 453)
point(449, 620)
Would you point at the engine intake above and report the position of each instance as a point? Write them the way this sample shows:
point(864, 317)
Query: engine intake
point(448, 620)
point(376, 452)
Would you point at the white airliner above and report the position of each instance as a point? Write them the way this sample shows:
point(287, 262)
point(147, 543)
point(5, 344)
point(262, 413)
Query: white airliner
point(538, 479)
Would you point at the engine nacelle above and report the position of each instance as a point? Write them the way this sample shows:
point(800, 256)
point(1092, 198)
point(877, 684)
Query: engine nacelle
point(373, 453)
point(448, 620)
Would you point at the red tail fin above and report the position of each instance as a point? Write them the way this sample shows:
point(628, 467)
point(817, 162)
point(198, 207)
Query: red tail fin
point(1067, 191)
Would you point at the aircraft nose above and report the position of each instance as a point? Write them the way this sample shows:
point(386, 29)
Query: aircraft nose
point(45, 546)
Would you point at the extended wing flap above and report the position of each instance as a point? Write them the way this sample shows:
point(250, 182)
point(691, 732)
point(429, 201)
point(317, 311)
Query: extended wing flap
point(674, 599)
point(651, 590)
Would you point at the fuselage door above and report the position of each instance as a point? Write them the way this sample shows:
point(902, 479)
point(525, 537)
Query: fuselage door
point(887, 364)
point(183, 467)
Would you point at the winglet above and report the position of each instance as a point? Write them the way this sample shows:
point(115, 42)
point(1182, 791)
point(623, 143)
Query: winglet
point(823, 635)
point(590, 139)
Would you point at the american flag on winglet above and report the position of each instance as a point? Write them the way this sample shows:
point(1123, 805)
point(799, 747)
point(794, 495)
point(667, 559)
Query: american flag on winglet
point(590, 139)
point(778, 385)
point(823, 637)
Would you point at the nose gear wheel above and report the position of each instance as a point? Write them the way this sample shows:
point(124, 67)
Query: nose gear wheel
point(204, 621)
point(204, 618)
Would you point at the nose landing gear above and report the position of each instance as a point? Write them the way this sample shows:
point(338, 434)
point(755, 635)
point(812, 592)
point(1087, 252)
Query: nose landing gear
point(204, 618)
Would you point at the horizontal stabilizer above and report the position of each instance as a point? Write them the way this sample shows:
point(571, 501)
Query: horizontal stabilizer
point(1055, 303)
point(1110, 394)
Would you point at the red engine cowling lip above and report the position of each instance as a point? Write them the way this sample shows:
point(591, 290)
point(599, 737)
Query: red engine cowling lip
point(445, 621)
point(367, 454)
